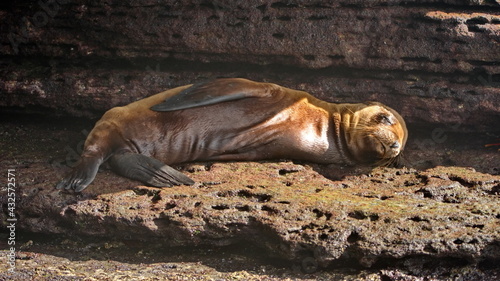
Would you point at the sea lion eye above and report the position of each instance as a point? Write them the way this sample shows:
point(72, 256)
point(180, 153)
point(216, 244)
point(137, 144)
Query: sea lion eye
point(385, 119)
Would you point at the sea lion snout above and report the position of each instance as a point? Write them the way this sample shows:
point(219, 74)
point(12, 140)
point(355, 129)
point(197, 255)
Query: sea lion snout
point(392, 150)
point(395, 145)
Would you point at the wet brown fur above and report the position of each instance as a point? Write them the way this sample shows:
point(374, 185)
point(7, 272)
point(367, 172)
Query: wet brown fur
point(278, 123)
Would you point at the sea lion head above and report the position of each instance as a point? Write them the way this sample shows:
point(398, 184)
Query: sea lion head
point(377, 134)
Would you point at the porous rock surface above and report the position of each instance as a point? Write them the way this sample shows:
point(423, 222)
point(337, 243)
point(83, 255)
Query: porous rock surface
point(291, 211)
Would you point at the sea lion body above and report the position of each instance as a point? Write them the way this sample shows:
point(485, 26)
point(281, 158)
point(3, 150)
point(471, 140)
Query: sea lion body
point(234, 120)
point(225, 131)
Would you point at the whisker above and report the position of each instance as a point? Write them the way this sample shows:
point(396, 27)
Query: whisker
point(404, 161)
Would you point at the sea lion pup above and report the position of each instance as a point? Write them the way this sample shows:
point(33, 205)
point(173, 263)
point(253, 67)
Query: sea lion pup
point(234, 120)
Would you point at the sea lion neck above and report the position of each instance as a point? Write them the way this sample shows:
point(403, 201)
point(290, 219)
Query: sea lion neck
point(342, 117)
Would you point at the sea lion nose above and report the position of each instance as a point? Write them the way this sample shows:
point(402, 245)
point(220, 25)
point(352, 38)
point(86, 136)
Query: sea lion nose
point(395, 145)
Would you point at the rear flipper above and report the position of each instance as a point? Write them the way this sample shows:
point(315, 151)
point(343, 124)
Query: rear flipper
point(147, 170)
point(82, 175)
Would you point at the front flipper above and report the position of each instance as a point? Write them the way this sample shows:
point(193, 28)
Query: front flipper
point(147, 170)
point(82, 175)
point(216, 91)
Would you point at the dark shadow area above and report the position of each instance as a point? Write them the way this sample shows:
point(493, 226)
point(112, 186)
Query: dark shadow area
point(240, 256)
point(152, 258)
point(433, 146)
